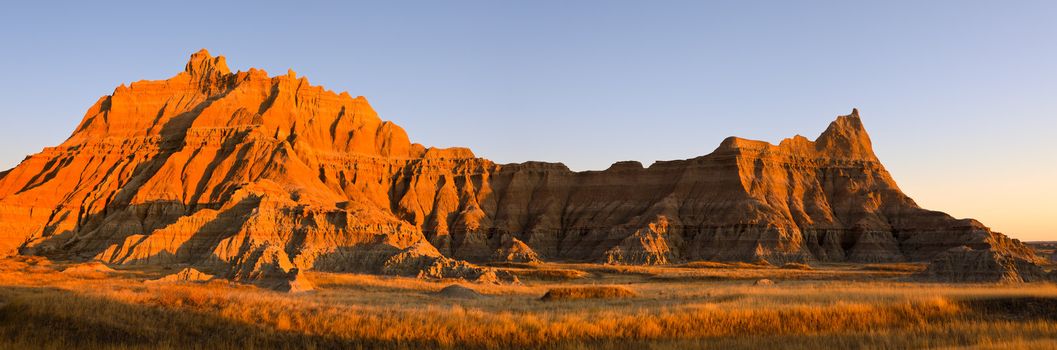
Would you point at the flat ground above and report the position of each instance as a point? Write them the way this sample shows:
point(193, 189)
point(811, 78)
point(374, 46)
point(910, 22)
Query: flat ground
point(698, 305)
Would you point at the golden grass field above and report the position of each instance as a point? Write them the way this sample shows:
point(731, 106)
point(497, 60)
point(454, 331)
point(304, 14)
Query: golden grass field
point(697, 305)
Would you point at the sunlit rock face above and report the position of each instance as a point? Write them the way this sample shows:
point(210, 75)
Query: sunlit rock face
point(255, 177)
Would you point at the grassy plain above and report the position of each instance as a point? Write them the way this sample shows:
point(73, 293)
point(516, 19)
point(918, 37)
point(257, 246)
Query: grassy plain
point(703, 305)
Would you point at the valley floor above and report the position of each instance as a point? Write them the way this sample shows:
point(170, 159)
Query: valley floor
point(697, 305)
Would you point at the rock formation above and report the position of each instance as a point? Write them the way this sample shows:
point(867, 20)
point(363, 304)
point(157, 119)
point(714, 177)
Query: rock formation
point(964, 264)
point(456, 291)
point(254, 178)
point(188, 274)
point(90, 268)
point(514, 250)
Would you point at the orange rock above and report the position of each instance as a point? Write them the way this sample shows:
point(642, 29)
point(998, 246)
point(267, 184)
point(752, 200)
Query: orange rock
point(256, 177)
point(188, 274)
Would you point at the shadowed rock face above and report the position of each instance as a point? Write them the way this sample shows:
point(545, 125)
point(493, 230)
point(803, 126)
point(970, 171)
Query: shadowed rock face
point(255, 177)
point(964, 264)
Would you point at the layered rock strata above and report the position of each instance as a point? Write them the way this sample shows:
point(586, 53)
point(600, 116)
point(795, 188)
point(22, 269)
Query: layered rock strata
point(964, 264)
point(253, 177)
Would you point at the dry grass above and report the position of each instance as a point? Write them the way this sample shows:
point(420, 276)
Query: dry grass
point(43, 308)
point(897, 267)
point(797, 266)
point(519, 265)
point(588, 292)
point(725, 265)
point(549, 274)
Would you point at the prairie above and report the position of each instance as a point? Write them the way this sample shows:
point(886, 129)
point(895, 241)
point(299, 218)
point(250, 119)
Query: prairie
point(706, 306)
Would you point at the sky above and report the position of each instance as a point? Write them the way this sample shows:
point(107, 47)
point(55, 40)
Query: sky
point(959, 97)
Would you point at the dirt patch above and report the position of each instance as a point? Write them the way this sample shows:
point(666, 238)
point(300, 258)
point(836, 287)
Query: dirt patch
point(1014, 308)
point(456, 291)
point(588, 292)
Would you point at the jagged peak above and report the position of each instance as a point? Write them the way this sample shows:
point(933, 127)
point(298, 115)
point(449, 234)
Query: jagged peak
point(846, 137)
point(849, 122)
point(204, 65)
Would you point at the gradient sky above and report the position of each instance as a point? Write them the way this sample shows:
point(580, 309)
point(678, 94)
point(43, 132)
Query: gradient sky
point(960, 97)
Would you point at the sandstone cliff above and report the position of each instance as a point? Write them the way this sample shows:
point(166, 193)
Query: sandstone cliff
point(253, 177)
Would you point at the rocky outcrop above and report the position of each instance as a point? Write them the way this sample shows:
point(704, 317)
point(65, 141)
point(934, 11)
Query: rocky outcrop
point(964, 264)
point(188, 274)
point(514, 250)
point(88, 269)
point(425, 261)
point(255, 177)
point(646, 246)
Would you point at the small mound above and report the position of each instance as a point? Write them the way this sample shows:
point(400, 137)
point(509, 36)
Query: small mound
point(516, 251)
point(91, 268)
point(456, 291)
point(763, 282)
point(488, 276)
point(189, 274)
point(588, 292)
point(797, 266)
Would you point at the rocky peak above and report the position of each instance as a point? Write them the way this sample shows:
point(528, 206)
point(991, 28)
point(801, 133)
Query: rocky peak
point(203, 66)
point(846, 138)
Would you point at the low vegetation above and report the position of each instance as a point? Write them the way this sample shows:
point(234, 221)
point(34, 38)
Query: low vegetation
point(726, 265)
point(901, 267)
point(588, 292)
point(796, 266)
point(43, 308)
point(549, 274)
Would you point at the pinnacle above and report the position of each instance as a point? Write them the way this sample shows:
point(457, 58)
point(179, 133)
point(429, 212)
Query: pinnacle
point(847, 137)
point(203, 65)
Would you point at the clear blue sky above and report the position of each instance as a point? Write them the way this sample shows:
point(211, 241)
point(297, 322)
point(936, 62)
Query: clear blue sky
point(960, 97)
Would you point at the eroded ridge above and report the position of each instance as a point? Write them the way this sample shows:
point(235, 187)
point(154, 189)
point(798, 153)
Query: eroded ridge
point(255, 178)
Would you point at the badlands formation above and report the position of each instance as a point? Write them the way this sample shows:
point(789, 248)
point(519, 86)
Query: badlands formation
point(253, 178)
